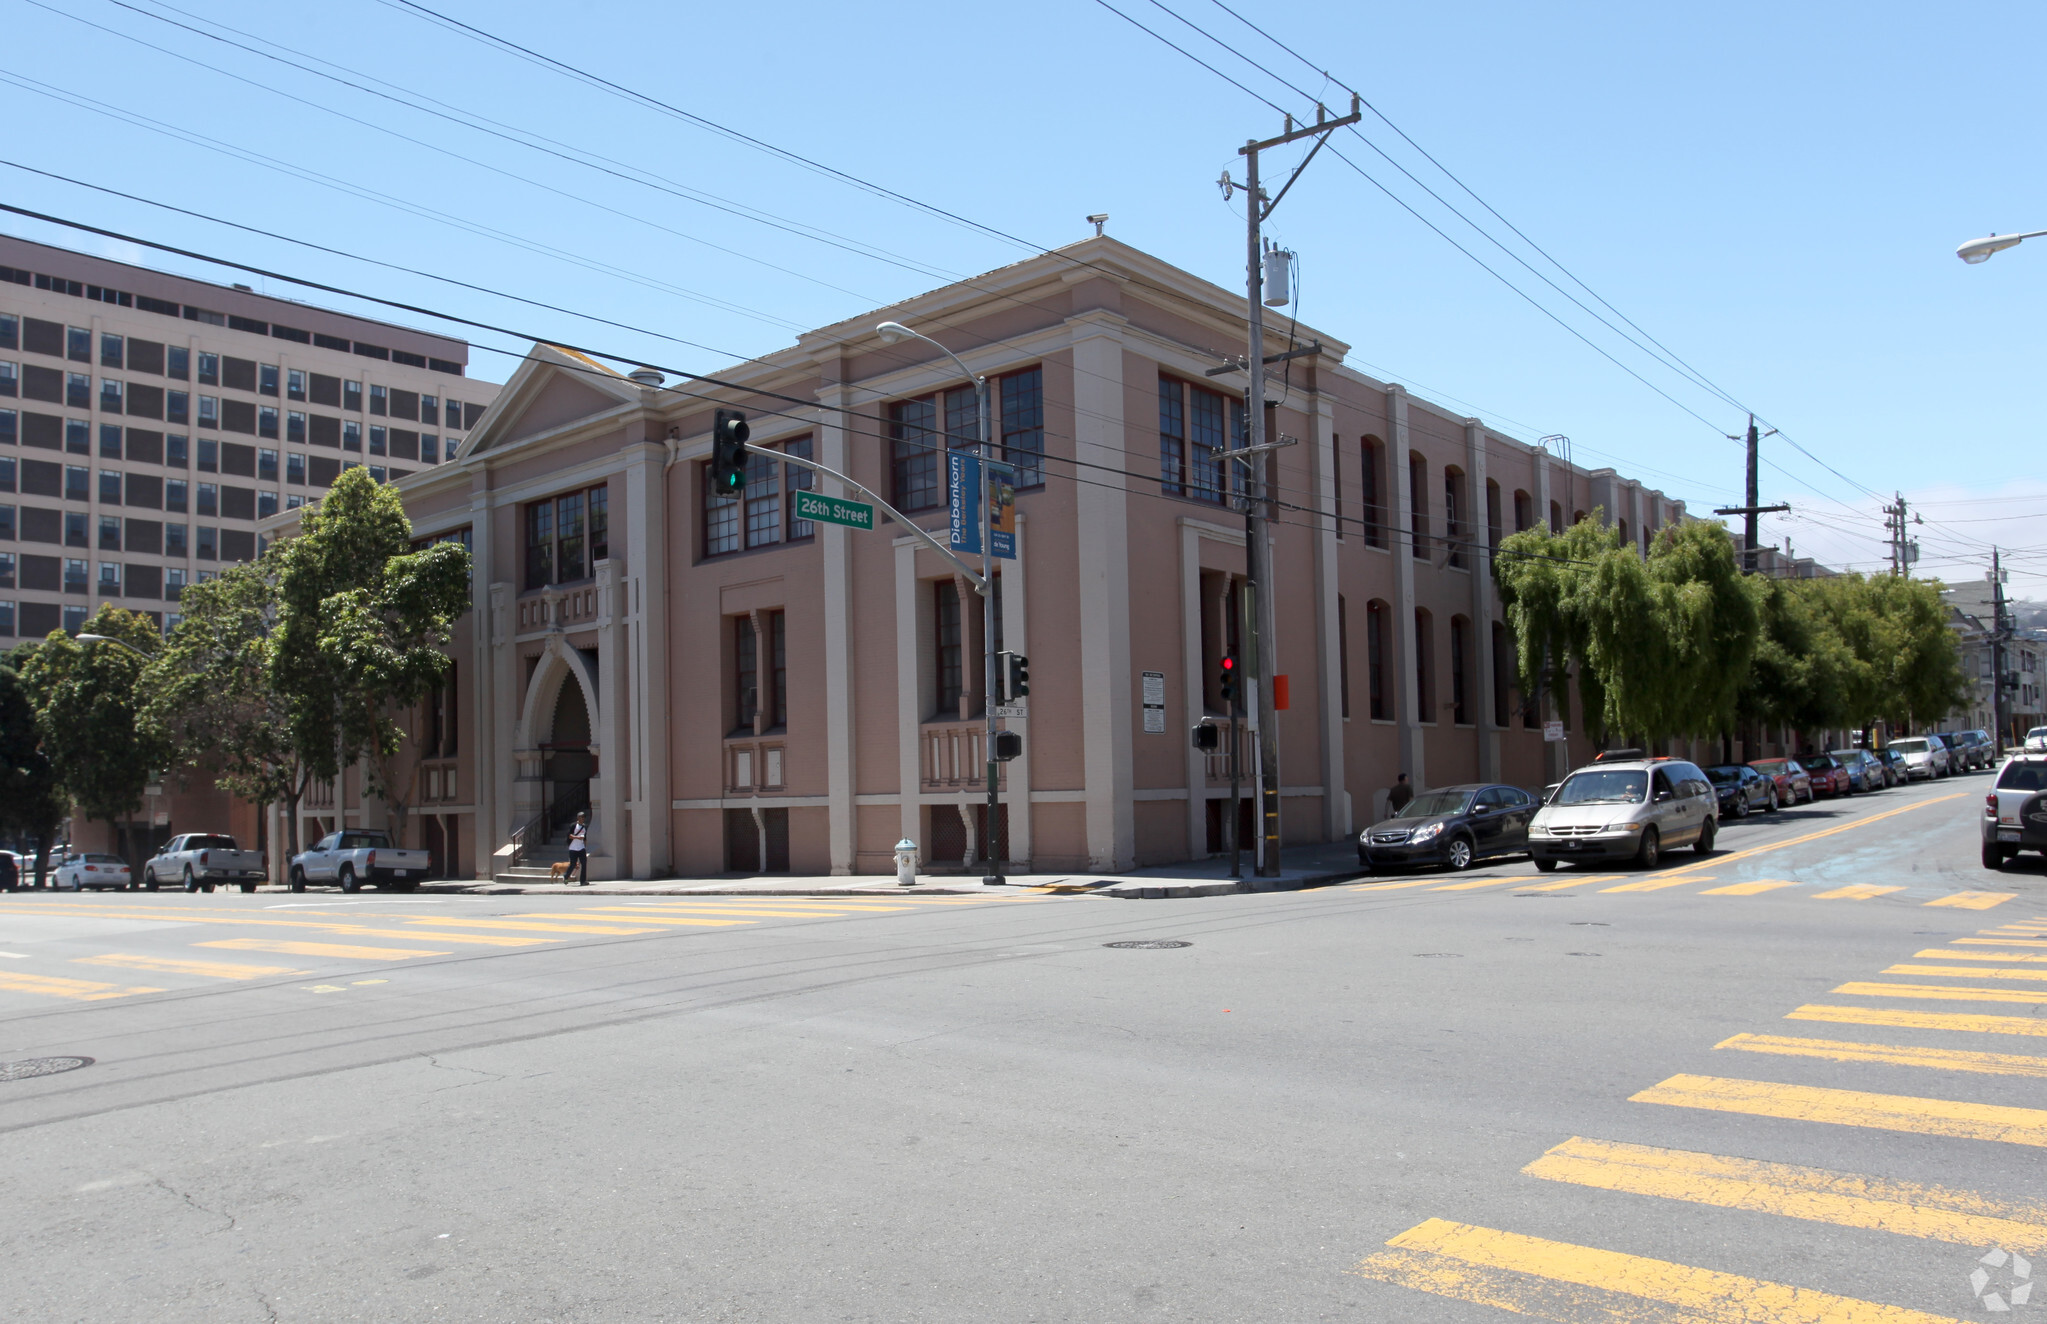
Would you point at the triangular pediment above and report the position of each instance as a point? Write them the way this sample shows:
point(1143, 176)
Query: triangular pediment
point(553, 388)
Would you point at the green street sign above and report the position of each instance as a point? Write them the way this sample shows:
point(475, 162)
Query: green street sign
point(832, 510)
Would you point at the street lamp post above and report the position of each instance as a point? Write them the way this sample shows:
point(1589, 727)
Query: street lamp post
point(109, 639)
point(890, 333)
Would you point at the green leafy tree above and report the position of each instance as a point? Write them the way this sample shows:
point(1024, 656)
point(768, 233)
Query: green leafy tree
point(208, 695)
point(1803, 676)
point(31, 806)
point(1660, 645)
point(361, 621)
point(85, 700)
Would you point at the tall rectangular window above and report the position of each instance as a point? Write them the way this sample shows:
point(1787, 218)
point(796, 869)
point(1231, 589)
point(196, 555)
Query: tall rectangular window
point(175, 543)
point(78, 390)
point(110, 396)
point(745, 673)
point(110, 487)
point(112, 350)
point(568, 532)
point(77, 483)
point(295, 468)
point(266, 465)
point(913, 445)
point(110, 441)
point(177, 450)
point(377, 439)
point(1455, 532)
point(351, 435)
point(351, 396)
point(110, 532)
point(177, 407)
point(795, 478)
point(1022, 408)
point(1418, 507)
point(177, 362)
point(295, 384)
point(295, 426)
point(10, 379)
point(763, 496)
point(948, 639)
point(174, 490)
point(209, 411)
point(266, 382)
point(209, 544)
point(540, 544)
point(75, 529)
point(77, 436)
point(78, 344)
point(1460, 678)
point(778, 669)
point(209, 369)
point(1196, 427)
point(266, 422)
point(721, 518)
point(209, 499)
point(600, 524)
point(1371, 478)
point(380, 400)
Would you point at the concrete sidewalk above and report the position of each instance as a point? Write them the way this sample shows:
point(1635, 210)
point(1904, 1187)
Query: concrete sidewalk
point(1304, 866)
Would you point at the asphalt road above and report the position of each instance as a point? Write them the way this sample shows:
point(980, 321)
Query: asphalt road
point(1696, 1094)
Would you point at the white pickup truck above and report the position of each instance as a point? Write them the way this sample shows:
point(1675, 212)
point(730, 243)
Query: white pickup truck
point(201, 861)
point(353, 857)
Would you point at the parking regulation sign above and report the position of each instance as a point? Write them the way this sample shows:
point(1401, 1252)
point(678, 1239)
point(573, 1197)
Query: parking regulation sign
point(1552, 730)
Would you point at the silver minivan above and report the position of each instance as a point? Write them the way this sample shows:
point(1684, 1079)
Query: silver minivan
point(1925, 756)
point(1625, 810)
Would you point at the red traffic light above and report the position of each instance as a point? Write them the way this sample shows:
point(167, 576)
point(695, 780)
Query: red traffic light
point(1229, 664)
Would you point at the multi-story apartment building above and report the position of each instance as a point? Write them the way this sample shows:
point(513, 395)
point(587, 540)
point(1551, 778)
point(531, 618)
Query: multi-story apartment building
point(732, 687)
point(148, 421)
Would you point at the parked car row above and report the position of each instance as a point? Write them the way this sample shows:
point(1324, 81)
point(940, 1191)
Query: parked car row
point(1624, 806)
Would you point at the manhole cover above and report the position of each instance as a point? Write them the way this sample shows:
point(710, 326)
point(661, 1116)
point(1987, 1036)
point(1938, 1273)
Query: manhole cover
point(1148, 944)
point(1439, 953)
point(30, 1067)
point(1581, 953)
point(1590, 924)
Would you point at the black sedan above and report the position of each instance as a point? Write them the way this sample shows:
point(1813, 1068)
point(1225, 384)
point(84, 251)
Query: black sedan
point(1454, 826)
point(1741, 788)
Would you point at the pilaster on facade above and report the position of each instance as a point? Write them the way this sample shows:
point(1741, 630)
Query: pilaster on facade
point(1103, 568)
point(1330, 619)
point(1016, 638)
point(643, 647)
point(1405, 552)
point(1482, 599)
point(512, 782)
point(909, 701)
point(835, 541)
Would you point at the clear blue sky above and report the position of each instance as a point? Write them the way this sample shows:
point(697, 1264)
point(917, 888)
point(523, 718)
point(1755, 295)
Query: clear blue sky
point(1772, 191)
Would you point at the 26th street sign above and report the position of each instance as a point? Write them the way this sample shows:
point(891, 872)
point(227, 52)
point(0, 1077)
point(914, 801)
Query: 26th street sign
point(832, 510)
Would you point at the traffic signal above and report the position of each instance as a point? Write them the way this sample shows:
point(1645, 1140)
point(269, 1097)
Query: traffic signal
point(728, 452)
point(1012, 676)
point(1226, 680)
point(1008, 745)
point(1207, 737)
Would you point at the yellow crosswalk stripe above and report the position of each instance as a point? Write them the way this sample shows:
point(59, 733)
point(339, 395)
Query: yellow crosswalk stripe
point(2002, 940)
point(1920, 1020)
point(1568, 882)
point(684, 914)
point(2015, 958)
point(1818, 1195)
point(1887, 1112)
point(659, 921)
point(243, 919)
point(334, 950)
point(1964, 970)
point(1748, 889)
point(1656, 884)
point(77, 990)
point(1474, 885)
point(1855, 892)
point(1939, 1059)
point(526, 926)
point(1943, 992)
point(1557, 1280)
point(1395, 887)
point(1973, 900)
point(171, 965)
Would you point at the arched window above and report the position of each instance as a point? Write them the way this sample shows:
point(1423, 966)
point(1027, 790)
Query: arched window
point(1492, 515)
point(1456, 514)
point(1372, 472)
point(1556, 518)
point(1461, 661)
point(1503, 673)
point(1418, 503)
point(1424, 666)
point(1524, 510)
point(1622, 527)
point(1343, 654)
point(1378, 638)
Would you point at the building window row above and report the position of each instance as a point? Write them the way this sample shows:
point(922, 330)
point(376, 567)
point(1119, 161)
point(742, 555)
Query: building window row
point(764, 511)
point(1196, 426)
point(566, 536)
point(924, 429)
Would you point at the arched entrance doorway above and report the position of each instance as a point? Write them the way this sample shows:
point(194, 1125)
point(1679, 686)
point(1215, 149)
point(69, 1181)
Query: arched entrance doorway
point(567, 764)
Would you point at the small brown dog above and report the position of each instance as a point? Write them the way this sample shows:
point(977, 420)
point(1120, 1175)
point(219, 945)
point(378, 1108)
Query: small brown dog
point(557, 871)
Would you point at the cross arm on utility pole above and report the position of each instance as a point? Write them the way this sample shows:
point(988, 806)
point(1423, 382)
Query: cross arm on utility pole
point(974, 576)
point(1749, 510)
point(1305, 352)
point(1319, 131)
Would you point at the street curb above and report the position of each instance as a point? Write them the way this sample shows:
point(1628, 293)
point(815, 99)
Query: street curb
point(1162, 890)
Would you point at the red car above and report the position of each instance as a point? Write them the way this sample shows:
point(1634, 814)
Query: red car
point(1828, 776)
point(1794, 783)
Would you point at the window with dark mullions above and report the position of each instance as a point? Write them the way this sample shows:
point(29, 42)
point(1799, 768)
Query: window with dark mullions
point(778, 669)
point(1021, 425)
point(763, 497)
point(1193, 434)
point(566, 536)
point(948, 639)
point(916, 469)
point(746, 674)
point(795, 478)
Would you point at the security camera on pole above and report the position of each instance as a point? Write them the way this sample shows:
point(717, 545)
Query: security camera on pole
point(1262, 466)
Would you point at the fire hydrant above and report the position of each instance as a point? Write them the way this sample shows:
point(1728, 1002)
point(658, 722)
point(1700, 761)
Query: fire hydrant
point(906, 863)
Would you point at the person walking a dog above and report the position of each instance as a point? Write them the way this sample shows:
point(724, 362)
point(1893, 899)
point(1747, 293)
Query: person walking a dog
point(579, 850)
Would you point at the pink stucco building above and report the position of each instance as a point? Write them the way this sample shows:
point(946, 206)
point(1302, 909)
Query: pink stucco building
point(737, 690)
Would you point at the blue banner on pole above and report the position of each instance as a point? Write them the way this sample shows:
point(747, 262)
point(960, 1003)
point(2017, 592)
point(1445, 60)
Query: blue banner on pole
point(1002, 512)
point(963, 500)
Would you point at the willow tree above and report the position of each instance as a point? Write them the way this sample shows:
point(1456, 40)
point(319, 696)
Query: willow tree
point(361, 622)
point(1660, 645)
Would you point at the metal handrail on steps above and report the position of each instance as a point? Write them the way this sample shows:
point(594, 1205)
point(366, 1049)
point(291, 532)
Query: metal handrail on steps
point(541, 827)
